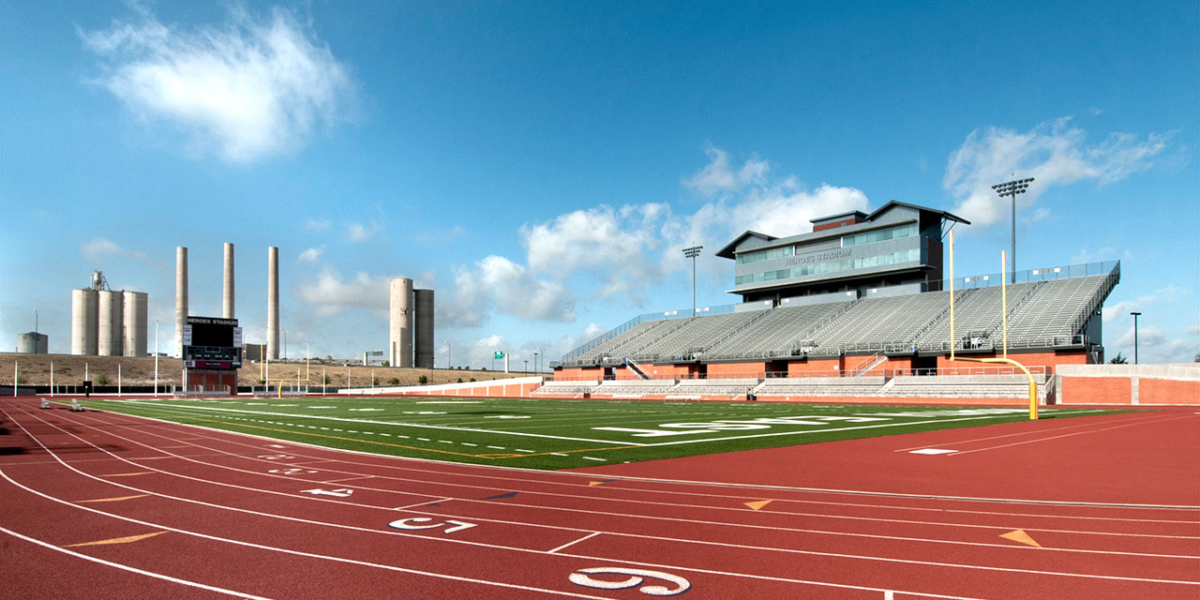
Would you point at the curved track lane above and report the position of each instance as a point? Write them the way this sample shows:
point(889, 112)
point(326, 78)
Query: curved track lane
point(144, 507)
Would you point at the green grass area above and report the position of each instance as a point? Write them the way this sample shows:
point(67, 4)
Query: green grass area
point(557, 434)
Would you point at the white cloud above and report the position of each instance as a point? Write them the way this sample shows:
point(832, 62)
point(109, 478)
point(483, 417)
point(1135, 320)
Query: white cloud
point(332, 294)
point(98, 249)
point(317, 224)
point(312, 254)
point(253, 87)
point(496, 283)
point(357, 232)
point(1053, 153)
point(717, 176)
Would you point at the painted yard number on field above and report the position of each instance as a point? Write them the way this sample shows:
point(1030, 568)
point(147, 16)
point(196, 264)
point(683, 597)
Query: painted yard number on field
point(415, 523)
point(740, 425)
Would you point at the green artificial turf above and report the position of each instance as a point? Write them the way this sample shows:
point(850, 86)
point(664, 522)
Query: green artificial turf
point(557, 434)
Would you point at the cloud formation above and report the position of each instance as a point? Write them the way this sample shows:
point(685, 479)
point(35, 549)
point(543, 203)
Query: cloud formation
point(253, 87)
point(98, 249)
point(622, 252)
point(332, 294)
point(500, 285)
point(1054, 153)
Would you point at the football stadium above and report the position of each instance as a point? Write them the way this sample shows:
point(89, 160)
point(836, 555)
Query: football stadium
point(453, 356)
point(862, 424)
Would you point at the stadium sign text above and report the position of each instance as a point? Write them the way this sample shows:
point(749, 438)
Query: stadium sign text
point(816, 257)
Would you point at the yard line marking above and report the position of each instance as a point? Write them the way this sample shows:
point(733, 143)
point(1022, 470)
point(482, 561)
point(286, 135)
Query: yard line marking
point(569, 544)
point(210, 409)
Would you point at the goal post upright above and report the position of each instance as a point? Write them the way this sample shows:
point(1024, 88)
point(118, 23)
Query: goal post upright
point(1033, 404)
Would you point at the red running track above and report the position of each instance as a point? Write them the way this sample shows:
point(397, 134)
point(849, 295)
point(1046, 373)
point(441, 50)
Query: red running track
point(190, 512)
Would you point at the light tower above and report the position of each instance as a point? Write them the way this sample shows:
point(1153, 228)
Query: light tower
point(1012, 188)
point(692, 253)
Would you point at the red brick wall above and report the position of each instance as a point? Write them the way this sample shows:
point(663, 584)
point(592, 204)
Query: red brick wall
point(733, 370)
point(1096, 390)
point(576, 373)
point(830, 367)
point(1119, 390)
point(1168, 391)
point(1029, 359)
point(671, 371)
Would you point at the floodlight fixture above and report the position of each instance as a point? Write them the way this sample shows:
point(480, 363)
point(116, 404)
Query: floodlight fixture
point(692, 253)
point(1012, 188)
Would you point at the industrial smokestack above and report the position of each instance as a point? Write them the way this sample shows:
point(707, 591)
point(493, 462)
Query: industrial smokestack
point(227, 299)
point(181, 297)
point(273, 302)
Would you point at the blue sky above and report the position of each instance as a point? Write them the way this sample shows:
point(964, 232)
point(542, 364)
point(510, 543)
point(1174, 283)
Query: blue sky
point(540, 165)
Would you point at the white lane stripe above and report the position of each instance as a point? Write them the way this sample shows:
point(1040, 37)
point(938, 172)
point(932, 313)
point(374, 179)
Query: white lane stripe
point(569, 544)
point(441, 470)
point(349, 561)
point(1046, 439)
point(114, 565)
point(845, 534)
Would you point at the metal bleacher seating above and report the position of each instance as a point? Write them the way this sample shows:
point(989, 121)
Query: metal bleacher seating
point(777, 332)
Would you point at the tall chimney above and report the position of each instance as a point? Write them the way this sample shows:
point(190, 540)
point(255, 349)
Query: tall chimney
point(227, 299)
point(181, 297)
point(273, 302)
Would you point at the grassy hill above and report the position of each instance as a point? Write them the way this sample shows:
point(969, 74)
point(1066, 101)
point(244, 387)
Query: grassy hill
point(34, 369)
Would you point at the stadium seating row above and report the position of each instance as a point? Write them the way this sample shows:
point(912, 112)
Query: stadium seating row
point(1040, 314)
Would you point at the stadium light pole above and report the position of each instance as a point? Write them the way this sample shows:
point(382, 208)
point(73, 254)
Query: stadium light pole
point(692, 253)
point(1135, 337)
point(1012, 188)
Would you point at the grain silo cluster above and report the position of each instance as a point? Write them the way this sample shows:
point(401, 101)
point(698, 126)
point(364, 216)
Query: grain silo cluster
point(107, 322)
point(409, 307)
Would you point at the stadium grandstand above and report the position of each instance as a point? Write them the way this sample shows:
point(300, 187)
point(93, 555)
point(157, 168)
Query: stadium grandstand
point(851, 309)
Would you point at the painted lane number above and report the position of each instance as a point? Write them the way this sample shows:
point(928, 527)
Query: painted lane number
point(416, 523)
point(636, 577)
point(338, 493)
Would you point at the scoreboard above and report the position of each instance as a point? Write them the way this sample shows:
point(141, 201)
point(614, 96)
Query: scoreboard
point(212, 343)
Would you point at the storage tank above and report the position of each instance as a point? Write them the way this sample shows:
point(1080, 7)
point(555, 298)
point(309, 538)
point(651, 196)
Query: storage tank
point(112, 316)
point(273, 302)
point(181, 296)
point(424, 329)
point(400, 333)
point(84, 322)
point(136, 323)
point(33, 343)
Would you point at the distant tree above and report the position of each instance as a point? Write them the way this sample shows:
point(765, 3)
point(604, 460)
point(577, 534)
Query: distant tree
point(422, 380)
point(387, 364)
point(326, 380)
point(102, 379)
point(1119, 360)
point(393, 381)
point(460, 379)
point(472, 379)
point(1198, 357)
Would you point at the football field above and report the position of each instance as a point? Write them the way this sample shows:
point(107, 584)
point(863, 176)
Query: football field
point(557, 434)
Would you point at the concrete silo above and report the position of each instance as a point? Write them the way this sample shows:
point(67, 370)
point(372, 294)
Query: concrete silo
point(400, 323)
point(111, 335)
point(424, 329)
point(227, 297)
point(85, 319)
point(136, 323)
point(273, 302)
point(33, 343)
point(181, 297)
